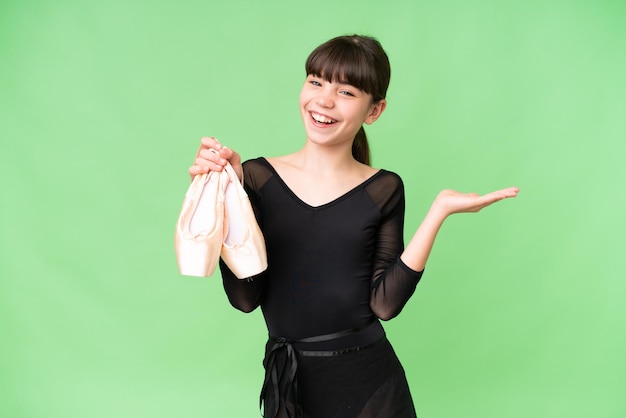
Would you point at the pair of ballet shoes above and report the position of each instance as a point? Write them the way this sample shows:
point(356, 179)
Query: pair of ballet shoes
point(217, 220)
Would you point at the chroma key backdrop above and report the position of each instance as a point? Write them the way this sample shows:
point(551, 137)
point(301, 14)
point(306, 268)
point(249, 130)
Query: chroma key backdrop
point(521, 311)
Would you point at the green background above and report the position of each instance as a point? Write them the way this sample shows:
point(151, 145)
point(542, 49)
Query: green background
point(521, 312)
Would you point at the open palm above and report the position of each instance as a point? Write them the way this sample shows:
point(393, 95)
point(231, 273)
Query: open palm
point(451, 201)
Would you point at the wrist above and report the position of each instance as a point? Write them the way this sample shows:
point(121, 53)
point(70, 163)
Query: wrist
point(437, 213)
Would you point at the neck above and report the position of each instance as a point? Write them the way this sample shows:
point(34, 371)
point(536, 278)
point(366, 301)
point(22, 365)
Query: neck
point(325, 159)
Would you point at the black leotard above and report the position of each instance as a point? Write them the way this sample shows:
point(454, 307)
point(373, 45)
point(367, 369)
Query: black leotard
point(332, 267)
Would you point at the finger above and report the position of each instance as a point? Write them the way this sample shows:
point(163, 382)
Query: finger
point(205, 167)
point(210, 156)
point(210, 142)
point(226, 153)
point(512, 191)
point(509, 191)
point(206, 143)
point(194, 170)
point(231, 155)
point(491, 198)
point(207, 154)
point(503, 194)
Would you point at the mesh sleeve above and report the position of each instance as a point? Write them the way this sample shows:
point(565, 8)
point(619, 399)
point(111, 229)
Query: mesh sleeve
point(247, 294)
point(393, 282)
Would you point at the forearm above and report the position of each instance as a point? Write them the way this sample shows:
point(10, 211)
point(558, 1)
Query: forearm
point(418, 250)
point(447, 202)
point(243, 294)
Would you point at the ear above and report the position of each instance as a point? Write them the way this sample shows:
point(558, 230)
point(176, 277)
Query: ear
point(375, 111)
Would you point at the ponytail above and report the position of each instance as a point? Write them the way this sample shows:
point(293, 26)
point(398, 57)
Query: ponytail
point(360, 148)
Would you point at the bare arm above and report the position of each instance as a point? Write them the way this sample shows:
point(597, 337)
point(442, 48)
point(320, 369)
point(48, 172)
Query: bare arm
point(447, 203)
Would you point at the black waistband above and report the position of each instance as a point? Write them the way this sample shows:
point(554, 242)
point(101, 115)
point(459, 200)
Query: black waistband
point(281, 380)
point(327, 337)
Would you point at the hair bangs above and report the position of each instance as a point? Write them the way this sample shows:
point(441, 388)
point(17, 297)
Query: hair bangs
point(344, 62)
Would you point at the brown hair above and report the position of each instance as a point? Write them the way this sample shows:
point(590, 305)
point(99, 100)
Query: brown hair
point(359, 61)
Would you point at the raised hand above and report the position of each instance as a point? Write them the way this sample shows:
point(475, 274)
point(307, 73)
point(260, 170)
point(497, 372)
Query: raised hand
point(451, 201)
point(446, 203)
point(212, 156)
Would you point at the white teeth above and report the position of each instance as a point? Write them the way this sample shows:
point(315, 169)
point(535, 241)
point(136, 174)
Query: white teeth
point(322, 119)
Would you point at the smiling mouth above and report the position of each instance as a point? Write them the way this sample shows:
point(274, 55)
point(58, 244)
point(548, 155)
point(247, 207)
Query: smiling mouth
point(322, 119)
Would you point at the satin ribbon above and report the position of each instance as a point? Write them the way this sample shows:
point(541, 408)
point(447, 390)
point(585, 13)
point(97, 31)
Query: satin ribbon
point(288, 372)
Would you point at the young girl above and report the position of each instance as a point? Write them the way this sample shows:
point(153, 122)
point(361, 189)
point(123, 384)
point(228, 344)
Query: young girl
point(333, 227)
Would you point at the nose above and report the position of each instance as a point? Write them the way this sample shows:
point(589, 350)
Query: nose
point(325, 98)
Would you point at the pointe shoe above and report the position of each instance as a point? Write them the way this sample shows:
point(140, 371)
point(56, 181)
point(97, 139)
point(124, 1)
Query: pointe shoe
point(243, 249)
point(200, 227)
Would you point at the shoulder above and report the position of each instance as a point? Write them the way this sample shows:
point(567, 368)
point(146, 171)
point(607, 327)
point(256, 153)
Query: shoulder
point(380, 176)
point(256, 172)
point(389, 179)
point(258, 163)
point(386, 190)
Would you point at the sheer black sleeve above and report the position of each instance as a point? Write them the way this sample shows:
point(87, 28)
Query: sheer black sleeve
point(393, 282)
point(247, 294)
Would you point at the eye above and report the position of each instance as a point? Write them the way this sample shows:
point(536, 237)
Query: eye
point(346, 93)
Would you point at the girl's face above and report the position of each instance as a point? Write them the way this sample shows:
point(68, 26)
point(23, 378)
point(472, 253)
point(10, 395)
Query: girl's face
point(333, 112)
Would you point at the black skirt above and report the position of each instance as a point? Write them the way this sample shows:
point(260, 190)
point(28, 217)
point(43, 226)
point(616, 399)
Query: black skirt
point(359, 382)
